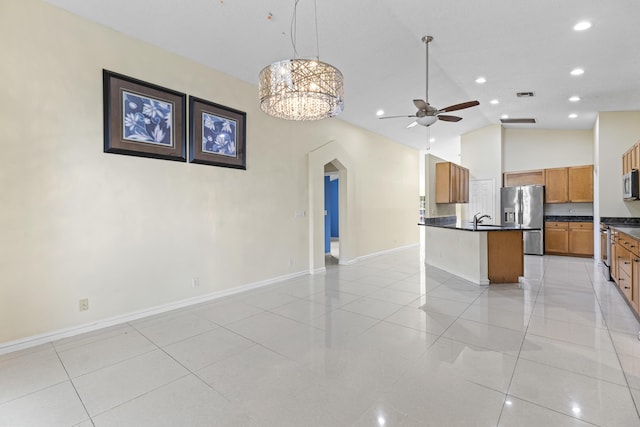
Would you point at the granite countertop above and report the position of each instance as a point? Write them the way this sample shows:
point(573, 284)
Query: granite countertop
point(620, 221)
point(481, 227)
point(566, 218)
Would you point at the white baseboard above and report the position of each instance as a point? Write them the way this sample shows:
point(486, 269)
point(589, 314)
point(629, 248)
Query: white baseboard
point(46, 337)
point(387, 252)
point(321, 270)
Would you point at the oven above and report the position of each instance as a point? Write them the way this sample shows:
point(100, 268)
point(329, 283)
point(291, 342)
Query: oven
point(605, 250)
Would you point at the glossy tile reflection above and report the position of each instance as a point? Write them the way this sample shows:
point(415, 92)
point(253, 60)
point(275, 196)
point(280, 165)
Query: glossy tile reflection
point(386, 341)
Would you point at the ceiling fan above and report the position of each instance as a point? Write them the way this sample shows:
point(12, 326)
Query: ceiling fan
point(427, 114)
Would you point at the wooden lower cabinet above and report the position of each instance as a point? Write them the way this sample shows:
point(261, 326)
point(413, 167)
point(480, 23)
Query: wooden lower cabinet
point(569, 238)
point(556, 237)
point(625, 267)
point(581, 238)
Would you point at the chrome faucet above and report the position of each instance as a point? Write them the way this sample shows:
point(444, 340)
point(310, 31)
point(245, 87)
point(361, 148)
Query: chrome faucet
point(478, 219)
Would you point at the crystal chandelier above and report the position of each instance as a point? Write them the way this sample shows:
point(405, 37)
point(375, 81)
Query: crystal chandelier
point(301, 89)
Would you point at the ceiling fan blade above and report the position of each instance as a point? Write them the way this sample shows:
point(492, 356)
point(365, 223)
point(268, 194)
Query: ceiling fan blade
point(412, 124)
point(420, 104)
point(449, 118)
point(395, 117)
point(460, 106)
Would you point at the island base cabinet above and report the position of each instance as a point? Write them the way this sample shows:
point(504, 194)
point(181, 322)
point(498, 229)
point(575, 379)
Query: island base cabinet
point(506, 259)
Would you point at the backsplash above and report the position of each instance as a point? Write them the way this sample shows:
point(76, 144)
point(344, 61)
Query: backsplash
point(568, 209)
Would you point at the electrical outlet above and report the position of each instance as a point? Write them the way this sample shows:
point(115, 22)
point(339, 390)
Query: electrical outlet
point(83, 304)
point(196, 282)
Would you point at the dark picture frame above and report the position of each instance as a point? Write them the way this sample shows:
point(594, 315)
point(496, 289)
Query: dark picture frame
point(217, 134)
point(143, 119)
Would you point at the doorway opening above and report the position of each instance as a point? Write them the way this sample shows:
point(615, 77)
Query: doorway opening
point(331, 214)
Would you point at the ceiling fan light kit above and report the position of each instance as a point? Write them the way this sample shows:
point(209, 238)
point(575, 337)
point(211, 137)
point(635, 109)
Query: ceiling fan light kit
point(301, 89)
point(427, 114)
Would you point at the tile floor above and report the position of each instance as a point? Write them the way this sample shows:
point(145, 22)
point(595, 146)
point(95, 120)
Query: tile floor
point(383, 342)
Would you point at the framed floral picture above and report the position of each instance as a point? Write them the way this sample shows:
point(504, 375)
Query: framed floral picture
point(143, 119)
point(216, 134)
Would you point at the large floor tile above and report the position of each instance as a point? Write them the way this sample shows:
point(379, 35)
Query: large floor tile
point(57, 405)
point(268, 300)
point(111, 386)
point(371, 307)
point(631, 367)
point(395, 340)
point(333, 299)
point(455, 359)
point(207, 348)
point(29, 372)
point(440, 305)
point(595, 336)
point(416, 318)
point(261, 327)
point(436, 400)
point(482, 335)
point(303, 311)
point(627, 344)
point(600, 364)
point(185, 402)
point(394, 296)
point(225, 312)
point(256, 373)
point(99, 354)
point(90, 337)
point(520, 413)
point(592, 400)
point(497, 317)
point(175, 329)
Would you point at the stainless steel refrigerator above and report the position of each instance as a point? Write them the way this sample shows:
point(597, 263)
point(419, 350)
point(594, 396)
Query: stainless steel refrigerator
point(524, 206)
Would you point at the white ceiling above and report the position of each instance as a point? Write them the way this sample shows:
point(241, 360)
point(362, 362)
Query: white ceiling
point(518, 45)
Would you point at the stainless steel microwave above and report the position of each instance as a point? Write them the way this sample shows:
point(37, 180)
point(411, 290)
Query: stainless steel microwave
point(630, 185)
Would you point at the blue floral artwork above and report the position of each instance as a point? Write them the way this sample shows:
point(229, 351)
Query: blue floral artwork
point(146, 119)
point(218, 135)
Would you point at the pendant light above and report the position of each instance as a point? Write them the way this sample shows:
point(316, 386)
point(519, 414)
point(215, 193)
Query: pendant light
point(301, 89)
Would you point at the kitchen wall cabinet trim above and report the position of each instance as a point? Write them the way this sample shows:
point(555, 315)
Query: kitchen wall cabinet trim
point(515, 179)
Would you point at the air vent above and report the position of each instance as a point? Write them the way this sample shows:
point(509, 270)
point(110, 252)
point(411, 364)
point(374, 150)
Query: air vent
point(517, 121)
point(525, 95)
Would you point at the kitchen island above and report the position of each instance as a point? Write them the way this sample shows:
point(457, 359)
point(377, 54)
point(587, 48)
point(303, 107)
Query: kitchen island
point(484, 254)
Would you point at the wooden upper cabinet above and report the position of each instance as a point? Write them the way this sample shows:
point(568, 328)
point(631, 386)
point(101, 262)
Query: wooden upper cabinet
point(581, 184)
point(452, 183)
point(514, 179)
point(556, 183)
point(569, 185)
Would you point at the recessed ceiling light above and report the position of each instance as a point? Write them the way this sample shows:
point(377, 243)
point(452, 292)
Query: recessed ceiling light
point(481, 80)
point(504, 116)
point(379, 112)
point(574, 98)
point(577, 72)
point(581, 26)
point(432, 140)
point(573, 115)
point(494, 102)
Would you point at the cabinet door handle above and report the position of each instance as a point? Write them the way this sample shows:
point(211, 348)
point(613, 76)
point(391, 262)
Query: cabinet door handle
point(627, 262)
point(627, 287)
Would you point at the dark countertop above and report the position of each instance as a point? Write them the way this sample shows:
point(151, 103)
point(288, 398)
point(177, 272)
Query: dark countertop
point(566, 218)
point(481, 227)
point(620, 221)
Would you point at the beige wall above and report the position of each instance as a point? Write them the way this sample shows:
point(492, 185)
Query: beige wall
point(132, 233)
point(616, 133)
point(526, 149)
point(481, 152)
